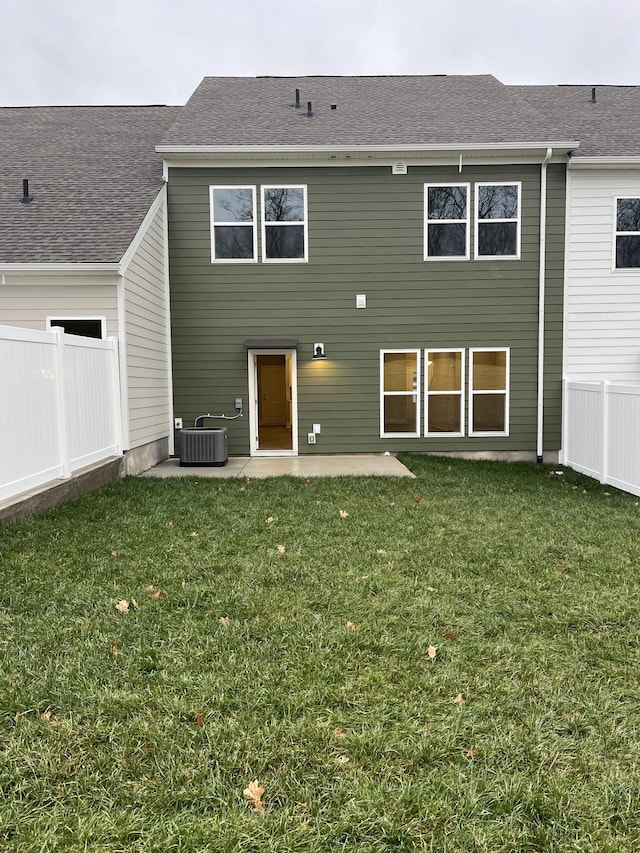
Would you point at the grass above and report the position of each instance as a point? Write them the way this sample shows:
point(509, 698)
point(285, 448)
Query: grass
point(308, 668)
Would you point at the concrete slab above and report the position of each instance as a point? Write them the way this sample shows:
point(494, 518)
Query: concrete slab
point(343, 465)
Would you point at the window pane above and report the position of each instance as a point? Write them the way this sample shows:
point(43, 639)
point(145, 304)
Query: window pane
point(489, 371)
point(446, 203)
point(400, 414)
point(499, 202)
point(400, 371)
point(233, 241)
point(497, 238)
point(627, 252)
point(444, 413)
point(488, 412)
point(233, 205)
point(446, 241)
point(628, 218)
point(284, 204)
point(445, 371)
point(284, 241)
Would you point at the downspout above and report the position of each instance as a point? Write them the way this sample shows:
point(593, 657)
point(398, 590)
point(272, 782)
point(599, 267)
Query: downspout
point(541, 295)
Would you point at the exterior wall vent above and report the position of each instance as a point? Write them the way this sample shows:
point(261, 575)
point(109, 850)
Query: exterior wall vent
point(399, 169)
point(203, 447)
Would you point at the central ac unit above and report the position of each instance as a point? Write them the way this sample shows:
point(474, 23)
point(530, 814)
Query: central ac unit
point(203, 447)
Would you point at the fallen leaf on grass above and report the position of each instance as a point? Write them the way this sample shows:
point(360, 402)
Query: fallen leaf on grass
point(223, 620)
point(449, 635)
point(344, 513)
point(45, 715)
point(194, 533)
point(155, 593)
point(281, 549)
point(472, 753)
point(432, 652)
point(459, 700)
point(114, 647)
point(270, 520)
point(199, 720)
point(381, 551)
point(342, 759)
point(352, 625)
point(114, 553)
point(134, 604)
point(122, 606)
point(170, 525)
point(431, 589)
point(339, 733)
point(561, 570)
point(417, 498)
point(254, 793)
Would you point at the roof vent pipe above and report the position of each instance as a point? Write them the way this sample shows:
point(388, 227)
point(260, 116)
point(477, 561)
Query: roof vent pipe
point(593, 95)
point(26, 198)
point(297, 103)
point(309, 113)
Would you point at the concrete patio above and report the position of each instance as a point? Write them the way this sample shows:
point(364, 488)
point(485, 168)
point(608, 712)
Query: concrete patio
point(344, 465)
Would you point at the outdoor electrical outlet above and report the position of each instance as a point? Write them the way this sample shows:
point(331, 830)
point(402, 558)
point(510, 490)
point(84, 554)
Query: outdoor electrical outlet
point(178, 423)
point(311, 438)
point(316, 429)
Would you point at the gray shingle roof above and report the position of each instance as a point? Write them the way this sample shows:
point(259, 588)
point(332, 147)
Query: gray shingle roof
point(246, 111)
point(610, 127)
point(93, 174)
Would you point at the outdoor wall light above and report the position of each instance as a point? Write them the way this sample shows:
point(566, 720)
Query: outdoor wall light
point(318, 351)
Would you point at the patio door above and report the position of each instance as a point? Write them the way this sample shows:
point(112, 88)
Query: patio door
point(273, 416)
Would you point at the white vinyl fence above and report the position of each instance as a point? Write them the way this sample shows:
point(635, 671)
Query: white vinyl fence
point(59, 406)
point(602, 432)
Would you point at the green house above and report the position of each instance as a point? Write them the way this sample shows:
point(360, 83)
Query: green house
point(368, 264)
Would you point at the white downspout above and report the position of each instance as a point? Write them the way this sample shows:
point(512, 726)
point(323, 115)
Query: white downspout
point(541, 295)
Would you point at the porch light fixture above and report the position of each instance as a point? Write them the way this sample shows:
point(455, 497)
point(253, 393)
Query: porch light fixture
point(318, 351)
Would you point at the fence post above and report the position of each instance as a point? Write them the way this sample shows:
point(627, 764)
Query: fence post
point(115, 390)
point(61, 399)
point(605, 432)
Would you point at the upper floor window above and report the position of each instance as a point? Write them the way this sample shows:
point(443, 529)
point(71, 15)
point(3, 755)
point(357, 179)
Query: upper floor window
point(446, 221)
point(284, 223)
point(233, 224)
point(497, 220)
point(627, 233)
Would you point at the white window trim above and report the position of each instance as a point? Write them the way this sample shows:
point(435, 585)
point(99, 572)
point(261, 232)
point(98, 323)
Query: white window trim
point(51, 319)
point(517, 220)
point(614, 252)
point(506, 392)
point(213, 223)
point(265, 224)
point(416, 394)
point(428, 393)
point(428, 221)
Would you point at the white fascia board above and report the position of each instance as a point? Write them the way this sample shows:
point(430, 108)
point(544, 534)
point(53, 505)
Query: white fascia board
point(604, 162)
point(66, 269)
point(358, 152)
point(141, 232)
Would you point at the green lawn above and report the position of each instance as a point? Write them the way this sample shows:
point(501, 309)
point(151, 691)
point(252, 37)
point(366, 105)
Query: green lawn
point(277, 639)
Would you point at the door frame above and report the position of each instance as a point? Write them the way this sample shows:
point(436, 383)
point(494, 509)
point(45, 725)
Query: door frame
point(254, 450)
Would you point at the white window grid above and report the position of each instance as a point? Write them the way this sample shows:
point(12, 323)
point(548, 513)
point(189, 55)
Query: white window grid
point(517, 220)
point(414, 393)
point(616, 234)
point(303, 222)
point(428, 394)
point(504, 392)
point(428, 222)
point(231, 223)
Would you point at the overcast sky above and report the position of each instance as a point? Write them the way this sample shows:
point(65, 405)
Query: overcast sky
point(157, 51)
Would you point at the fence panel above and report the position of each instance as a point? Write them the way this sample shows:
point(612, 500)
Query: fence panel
point(59, 406)
point(602, 432)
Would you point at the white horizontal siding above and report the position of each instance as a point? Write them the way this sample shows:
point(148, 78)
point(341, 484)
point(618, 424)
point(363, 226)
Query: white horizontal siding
point(146, 338)
point(602, 306)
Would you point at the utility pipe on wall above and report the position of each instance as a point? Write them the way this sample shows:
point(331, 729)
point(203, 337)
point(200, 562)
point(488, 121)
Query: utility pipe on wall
point(541, 294)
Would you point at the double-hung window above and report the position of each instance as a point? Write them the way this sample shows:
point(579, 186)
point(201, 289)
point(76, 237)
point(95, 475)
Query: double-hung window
point(444, 402)
point(284, 223)
point(400, 393)
point(497, 220)
point(627, 233)
point(446, 221)
point(233, 224)
point(489, 391)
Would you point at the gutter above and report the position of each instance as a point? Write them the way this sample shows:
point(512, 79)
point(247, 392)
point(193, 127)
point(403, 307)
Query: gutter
point(541, 296)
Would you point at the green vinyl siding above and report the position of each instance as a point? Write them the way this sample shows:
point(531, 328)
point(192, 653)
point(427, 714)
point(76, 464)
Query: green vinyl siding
point(365, 235)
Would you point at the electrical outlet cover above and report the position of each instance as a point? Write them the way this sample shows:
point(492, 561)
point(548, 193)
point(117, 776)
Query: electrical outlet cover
point(311, 438)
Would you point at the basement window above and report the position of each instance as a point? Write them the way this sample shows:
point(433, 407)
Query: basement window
point(627, 233)
point(86, 327)
point(498, 220)
point(233, 225)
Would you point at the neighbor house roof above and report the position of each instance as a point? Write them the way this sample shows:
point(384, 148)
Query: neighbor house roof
point(608, 126)
point(366, 111)
point(93, 174)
